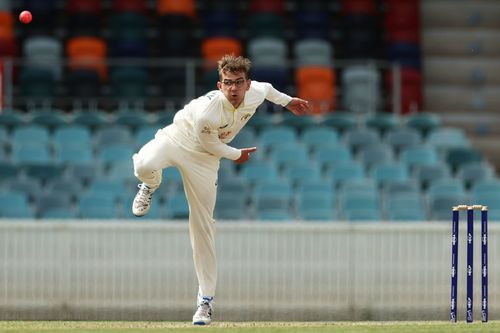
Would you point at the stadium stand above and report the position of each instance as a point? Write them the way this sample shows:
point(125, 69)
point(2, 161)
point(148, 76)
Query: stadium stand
point(132, 63)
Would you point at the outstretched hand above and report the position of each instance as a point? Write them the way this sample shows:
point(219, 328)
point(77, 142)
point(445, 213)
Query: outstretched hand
point(245, 155)
point(298, 106)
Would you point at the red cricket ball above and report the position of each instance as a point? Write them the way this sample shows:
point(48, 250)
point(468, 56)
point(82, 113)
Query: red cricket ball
point(25, 17)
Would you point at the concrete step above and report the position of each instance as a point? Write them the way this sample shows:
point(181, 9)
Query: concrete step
point(460, 13)
point(461, 42)
point(448, 98)
point(461, 71)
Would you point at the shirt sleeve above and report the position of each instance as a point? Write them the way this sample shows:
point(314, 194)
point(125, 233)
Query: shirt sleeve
point(273, 95)
point(208, 137)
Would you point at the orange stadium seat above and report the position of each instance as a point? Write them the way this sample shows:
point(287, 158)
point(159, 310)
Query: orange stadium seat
point(214, 48)
point(307, 74)
point(186, 7)
point(317, 85)
point(88, 53)
point(6, 25)
point(320, 95)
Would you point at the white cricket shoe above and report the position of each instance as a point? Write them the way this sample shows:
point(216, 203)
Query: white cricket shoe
point(142, 200)
point(203, 315)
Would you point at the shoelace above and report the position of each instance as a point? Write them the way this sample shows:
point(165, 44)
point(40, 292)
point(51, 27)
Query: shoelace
point(204, 310)
point(145, 195)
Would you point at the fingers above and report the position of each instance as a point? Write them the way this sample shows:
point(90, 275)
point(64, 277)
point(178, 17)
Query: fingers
point(251, 149)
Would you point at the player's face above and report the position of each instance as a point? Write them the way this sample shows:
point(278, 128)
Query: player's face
point(234, 86)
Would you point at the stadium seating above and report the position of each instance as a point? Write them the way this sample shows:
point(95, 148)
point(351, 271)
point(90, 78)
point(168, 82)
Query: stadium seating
point(82, 122)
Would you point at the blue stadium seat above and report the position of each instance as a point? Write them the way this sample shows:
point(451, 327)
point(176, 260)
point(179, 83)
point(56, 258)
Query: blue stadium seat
point(346, 171)
point(419, 155)
point(389, 172)
point(134, 119)
point(428, 173)
point(254, 172)
point(113, 135)
point(73, 153)
point(93, 119)
point(30, 187)
point(362, 214)
point(340, 121)
point(458, 156)
point(473, 172)
point(267, 51)
point(176, 207)
point(115, 189)
point(287, 155)
point(360, 88)
point(245, 138)
point(50, 118)
point(72, 135)
point(407, 207)
point(66, 185)
point(316, 207)
point(97, 206)
point(297, 173)
point(486, 186)
point(444, 138)
point(52, 200)
point(115, 154)
point(11, 118)
point(317, 136)
point(8, 170)
point(144, 134)
point(329, 156)
point(439, 205)
point(274, 215)
point(15, 205)
point(413, 214)
point(84, 172)
point(272, 137)
point(358, 137)
point(382, 122)
point(122, 172)
point(29, 134)
point(373, 154)
point(409, 186)
point(313, 52)
point(316, 187)
point(59, 213)
point(403, 137)
point(424, 122)
point(274, 189)
point(230, 206)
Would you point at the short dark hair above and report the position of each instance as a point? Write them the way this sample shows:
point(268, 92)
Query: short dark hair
point(234, 64)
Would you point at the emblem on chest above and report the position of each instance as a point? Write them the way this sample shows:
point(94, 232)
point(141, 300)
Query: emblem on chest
point(246, 116)
point(224, 135)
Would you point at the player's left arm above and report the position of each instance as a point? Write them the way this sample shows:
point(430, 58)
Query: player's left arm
point(298, 106)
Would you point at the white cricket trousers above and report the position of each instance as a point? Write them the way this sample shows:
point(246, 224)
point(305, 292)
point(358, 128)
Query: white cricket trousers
point(199, 175)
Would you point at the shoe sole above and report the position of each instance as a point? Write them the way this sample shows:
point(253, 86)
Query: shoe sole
point(200, 323)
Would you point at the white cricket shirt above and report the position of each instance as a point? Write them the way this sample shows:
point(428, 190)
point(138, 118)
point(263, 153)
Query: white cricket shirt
point(208, 123)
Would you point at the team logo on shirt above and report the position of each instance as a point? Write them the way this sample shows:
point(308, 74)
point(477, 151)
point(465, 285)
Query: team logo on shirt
point(205, 130)
point(224, 135)
point(246, 116)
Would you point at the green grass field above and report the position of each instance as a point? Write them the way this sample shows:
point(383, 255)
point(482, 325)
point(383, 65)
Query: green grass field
point(247, 327)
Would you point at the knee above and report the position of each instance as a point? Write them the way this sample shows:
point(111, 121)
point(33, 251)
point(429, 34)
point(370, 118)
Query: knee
point(142, 166)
